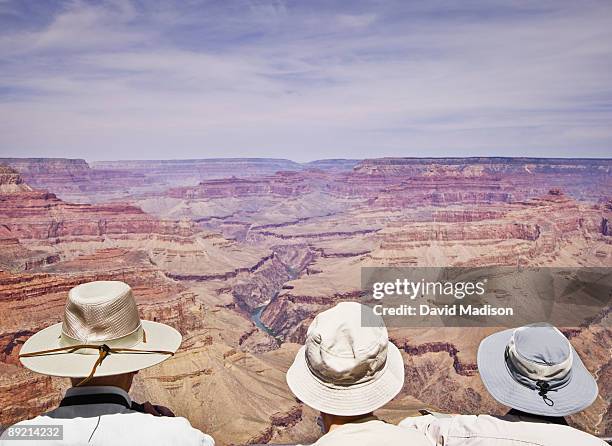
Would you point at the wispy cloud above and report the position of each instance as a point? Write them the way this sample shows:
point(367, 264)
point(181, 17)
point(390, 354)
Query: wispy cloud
point(304, 80)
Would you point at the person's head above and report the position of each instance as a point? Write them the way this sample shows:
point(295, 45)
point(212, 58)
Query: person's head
point(328, 421)
point(101, 338)
point(346, 369)
point(123, 381)
point(535, 370)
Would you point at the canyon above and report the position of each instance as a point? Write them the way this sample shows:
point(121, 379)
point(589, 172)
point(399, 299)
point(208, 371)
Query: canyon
point(240, 255)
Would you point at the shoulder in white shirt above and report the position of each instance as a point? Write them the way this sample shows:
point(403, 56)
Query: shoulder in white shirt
point(112, 424)
point(371, 432)
point(477, 430)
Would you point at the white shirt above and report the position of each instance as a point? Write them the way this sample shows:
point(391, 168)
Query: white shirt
point(112, 424)
point(485, 430)
point(371, 432)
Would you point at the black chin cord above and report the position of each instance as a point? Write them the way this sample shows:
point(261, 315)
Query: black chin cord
point(543, 388)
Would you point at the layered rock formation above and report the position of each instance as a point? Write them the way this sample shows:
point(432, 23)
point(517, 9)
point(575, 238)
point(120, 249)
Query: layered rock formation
point(239, 255)
point(76, 180)
point(584, 179)
point(11, 181)
point(38, 214)
point(13, 255)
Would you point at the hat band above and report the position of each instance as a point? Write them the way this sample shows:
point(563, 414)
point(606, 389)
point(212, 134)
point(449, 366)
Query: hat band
point(538, 371)
point(127, 341)
point(102, 350)
point(363, 381)
point(539, 377)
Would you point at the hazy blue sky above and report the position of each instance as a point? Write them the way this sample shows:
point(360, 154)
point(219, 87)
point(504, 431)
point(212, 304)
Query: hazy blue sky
point(305, 80)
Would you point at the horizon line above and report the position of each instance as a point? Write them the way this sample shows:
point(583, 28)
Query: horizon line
point(497, 157)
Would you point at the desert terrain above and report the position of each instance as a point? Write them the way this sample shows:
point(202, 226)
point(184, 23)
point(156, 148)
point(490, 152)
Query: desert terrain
point(240, 254)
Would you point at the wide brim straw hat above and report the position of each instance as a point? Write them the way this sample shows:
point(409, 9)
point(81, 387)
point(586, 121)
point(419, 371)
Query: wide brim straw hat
point(344, 368)
point(100, 323)
point(515, 364)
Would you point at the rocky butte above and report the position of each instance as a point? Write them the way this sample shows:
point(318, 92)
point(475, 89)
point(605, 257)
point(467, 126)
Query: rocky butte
point(239, 255)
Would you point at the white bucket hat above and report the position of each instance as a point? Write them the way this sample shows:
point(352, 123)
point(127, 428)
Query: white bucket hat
point(101, 335)
point(345, 368)
point(536, 370)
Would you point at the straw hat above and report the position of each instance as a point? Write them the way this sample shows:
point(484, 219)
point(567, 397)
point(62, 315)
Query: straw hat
point(536, 370)
point(346, 368)
point(101, 335)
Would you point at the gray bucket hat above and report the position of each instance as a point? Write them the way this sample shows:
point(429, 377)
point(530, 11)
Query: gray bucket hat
point(536, 370)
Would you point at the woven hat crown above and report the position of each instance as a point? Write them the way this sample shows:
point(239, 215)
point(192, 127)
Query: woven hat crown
point(101, 311)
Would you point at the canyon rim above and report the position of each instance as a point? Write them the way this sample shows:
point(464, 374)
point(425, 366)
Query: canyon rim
point(240, 254)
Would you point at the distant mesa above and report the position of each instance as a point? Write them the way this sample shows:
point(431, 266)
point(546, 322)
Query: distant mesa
point(77, 181)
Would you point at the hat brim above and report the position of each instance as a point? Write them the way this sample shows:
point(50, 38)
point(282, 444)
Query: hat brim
point(578, 394)
point(347, 400)
point(75, 365)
